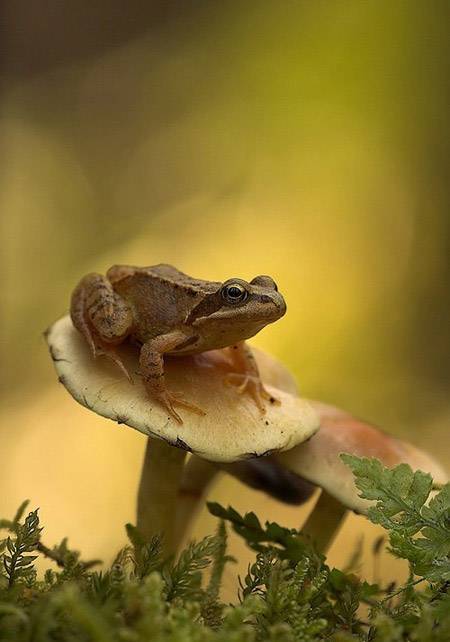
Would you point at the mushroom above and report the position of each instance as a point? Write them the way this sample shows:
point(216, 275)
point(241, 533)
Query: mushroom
point(319, 462)
point(232, 430)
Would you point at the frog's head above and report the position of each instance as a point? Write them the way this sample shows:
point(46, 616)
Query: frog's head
point(258, 300)
point(238, 309)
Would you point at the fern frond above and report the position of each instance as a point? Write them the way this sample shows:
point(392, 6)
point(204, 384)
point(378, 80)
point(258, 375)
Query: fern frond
point(17, 564)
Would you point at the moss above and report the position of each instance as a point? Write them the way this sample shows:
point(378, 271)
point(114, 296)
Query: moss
point(289, 593)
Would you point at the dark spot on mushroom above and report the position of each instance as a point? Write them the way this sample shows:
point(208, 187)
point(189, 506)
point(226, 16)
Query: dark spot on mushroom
point(255, 455)
point(266, 422)
point(100, 396)
point(182, 444)
point(272, 400)
point(175, 444)
point(62, 379)
point(121, 419)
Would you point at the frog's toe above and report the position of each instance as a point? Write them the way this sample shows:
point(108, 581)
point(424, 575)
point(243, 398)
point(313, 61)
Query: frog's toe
point(170, 399)
point(173, 413)
point(252, 385)
point(179, 399)
point(111, 354)
point(238, 381)
point(266, 395)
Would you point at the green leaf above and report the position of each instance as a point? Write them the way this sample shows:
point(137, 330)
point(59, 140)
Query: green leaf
point(418, 532)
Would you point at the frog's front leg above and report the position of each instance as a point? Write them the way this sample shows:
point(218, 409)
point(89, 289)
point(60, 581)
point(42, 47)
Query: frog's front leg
point(246, 377)
point(151, 361)
point(102, 316)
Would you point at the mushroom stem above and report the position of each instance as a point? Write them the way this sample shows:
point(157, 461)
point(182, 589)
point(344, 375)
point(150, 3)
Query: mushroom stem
point(198, 477)
point(158, 491)
point(324, 521)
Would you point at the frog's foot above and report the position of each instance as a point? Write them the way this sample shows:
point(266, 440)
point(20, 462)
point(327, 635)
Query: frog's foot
point(247, 383)
point(110, 352)
point(170, 399)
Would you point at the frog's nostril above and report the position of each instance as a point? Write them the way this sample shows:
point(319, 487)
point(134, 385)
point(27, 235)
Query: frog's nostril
point(281, 305)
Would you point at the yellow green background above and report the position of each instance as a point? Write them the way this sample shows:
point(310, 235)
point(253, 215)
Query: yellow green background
point(305, 140)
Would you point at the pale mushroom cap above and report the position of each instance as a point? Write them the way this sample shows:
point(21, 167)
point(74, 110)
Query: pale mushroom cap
point(233, 427)
point(319, 462)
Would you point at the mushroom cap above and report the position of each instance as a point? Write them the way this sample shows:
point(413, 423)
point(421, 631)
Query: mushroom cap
point(232, 429)
point(319, 462)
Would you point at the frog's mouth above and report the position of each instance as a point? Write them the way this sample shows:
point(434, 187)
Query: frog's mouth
point(240, 318)
point(271, 311)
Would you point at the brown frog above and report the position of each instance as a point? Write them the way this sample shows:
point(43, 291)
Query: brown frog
point(168, 312)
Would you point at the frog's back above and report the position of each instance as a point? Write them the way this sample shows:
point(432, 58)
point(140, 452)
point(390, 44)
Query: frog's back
point(161, 296)
point(177, 280)
point(165, 271)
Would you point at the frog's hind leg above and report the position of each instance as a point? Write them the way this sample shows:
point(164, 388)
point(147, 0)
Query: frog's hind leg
point(247, 378)
point(102, 317)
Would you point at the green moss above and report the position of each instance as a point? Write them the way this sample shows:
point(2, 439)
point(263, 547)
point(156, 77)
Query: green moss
point(289, 593)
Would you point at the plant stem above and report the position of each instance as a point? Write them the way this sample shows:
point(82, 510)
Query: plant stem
point(403, 588)
point(324, 521)
point(59, 559)
point(47, 552)
point(158, 490)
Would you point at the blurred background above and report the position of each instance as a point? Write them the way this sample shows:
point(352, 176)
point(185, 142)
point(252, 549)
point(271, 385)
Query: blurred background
point(305, 140)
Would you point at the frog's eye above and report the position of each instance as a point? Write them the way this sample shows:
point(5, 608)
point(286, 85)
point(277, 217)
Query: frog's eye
point(234, 293)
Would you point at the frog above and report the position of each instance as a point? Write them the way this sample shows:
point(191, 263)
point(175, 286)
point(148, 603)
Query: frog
point(168, 313)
